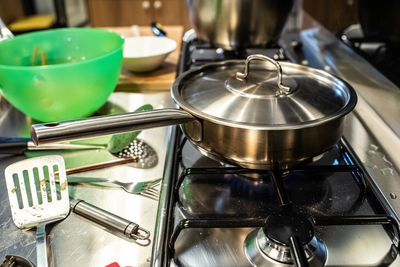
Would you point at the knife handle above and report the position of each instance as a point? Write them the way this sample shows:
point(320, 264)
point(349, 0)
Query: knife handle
point(15, 146)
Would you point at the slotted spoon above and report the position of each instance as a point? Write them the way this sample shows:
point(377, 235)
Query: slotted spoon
point(36, 199)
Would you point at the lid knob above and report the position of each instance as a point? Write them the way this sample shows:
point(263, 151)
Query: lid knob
point(282, 88)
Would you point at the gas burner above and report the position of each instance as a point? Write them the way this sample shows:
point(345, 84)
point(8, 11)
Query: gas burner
point(270, 245)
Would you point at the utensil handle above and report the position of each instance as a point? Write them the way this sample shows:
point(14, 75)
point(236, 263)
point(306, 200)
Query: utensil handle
point(109, 220)
point(104, 125)
point(101, 165)
point(18, 146)
point(15, 146)
point(41, 247)
point(157, 29)
point(77, 180)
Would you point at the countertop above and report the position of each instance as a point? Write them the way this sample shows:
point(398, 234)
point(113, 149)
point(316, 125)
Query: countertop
point(75, 241)
point(373, 128)
point(160, 79)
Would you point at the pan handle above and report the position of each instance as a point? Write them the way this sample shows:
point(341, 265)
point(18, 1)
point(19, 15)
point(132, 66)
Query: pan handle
point(105, 125)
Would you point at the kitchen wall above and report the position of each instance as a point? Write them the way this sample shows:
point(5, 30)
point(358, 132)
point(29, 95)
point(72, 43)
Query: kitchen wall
point(141, 12)
point(335, 15)
point(71, 13)
point(10, 10)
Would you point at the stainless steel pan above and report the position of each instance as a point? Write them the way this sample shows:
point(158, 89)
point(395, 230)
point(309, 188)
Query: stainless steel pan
point(254, 119)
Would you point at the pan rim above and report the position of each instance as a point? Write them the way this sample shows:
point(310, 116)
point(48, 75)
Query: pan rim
point(346, 109)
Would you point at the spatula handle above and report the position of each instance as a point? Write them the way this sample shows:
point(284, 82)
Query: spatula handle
point(41, 247)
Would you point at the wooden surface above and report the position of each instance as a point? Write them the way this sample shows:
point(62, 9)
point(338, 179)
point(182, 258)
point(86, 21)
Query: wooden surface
point(123, 13)
point(105, 13)
point(159, 79)
point(11, 10)
point(335, 15)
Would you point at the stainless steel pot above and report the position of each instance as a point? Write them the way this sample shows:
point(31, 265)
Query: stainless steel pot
point(233, 24)
point(254, 119)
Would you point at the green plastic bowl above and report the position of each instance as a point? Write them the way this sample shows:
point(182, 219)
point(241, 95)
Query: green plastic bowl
point(83, 66)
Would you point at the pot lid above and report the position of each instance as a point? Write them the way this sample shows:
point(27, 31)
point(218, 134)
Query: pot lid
point(240, 94)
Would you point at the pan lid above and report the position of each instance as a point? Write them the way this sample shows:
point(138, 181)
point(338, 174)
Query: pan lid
point(287, 96)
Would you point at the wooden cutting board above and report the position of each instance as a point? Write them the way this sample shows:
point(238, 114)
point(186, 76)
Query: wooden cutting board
point(159, 79)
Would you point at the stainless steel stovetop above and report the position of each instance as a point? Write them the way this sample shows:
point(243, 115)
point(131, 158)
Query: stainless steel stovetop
point(341, 208)
point(217, 208)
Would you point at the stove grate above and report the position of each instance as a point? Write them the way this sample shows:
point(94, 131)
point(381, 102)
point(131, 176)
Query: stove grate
point(275, 175)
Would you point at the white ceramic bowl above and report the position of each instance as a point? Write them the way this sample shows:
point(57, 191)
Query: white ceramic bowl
point(146, 53)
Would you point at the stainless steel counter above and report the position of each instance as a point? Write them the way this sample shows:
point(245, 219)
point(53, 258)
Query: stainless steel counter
point(373, 129)
point(76, 241)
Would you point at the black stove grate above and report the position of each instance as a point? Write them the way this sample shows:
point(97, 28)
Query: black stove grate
point(218, 221)
point(196, 53)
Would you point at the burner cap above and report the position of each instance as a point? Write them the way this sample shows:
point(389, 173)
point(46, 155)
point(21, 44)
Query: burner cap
point(280, 226)
point(263, 252)
point(270, 245)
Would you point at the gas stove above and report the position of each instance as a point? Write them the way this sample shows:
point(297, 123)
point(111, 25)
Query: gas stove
point(228, 216)
point(326, 212)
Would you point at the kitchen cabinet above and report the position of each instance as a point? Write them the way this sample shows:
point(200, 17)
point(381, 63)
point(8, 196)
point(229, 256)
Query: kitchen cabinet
point(335, 15)
point(140, 12)
point(11, 10)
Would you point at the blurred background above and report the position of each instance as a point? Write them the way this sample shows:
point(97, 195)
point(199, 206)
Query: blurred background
point(28, 15)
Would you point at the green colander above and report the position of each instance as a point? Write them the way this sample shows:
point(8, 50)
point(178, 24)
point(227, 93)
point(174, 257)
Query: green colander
point(81, 70)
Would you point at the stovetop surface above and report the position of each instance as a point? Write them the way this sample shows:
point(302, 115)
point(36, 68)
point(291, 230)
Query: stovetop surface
point(214, 207)
point(197, 53)
point(313, 192)
point(217, 193)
